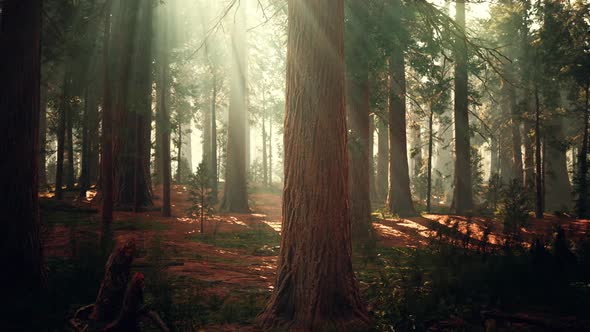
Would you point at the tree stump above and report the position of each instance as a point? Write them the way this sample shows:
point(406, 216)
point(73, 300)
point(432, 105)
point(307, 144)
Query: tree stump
point(119, 305)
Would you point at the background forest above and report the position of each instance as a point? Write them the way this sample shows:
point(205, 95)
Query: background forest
point(386, 165)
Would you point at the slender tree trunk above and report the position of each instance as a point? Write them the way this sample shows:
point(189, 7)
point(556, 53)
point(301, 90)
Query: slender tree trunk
point(214, 177)
point(69, 145)
point(264, 155)
point(43, 141)
point(382, 159)
point(235, 198)
point(516, 138)
point(179, 154)
point(270, 152)
point(107, 125)
point(83, 181)
point(371, 143)
point(463, 197)
point(315, 288)
point(20, 64)
point(430, 145)
point(61, 138)
point(539, 209)
point(400, 195)
point(494, 156)
point(358, 150)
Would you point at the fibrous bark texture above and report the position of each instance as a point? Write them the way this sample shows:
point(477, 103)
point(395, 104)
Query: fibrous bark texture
point(315, 288)
point(400, 195)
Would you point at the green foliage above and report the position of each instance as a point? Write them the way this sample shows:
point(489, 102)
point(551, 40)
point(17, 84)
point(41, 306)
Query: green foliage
point(493, 192)
point(421, 289)
point(514, 210)
point(200, 194)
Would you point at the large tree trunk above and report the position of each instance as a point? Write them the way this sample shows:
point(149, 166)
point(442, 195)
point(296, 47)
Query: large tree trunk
point(20, 248)
point(132, 105)
point(463, 197)
point(400, 195)
point(382, 159)
point(235, 197)
point(69, 171)
point(359, 105)
point(106, 173)
point(358, 149)
point(315, 289)
point(582, 201)
point(558, 187)
point(43, 141)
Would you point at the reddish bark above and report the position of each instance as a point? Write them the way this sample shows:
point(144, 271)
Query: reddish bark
point(315, 288)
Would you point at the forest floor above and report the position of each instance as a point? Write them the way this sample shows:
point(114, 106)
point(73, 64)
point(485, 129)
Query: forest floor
point(222, 278)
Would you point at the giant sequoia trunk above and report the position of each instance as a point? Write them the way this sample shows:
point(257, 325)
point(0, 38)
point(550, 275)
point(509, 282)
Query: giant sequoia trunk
point(359, 124)
point(132, 106)
point(235, 196)
point(463, 198)
point(400, 195)
point(20, 248)
point(315, 289)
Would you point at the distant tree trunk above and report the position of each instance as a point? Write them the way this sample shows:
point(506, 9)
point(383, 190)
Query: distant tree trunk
point(400, 195)
point(516, 138)
point(264, 154)
point(539, 208)
point(382, 159)
point(107, 125)
point(416, 150)
point(20, 65)
point(61, 138)
point(358, 150)
point(494, 156)
point(165, 127)
point(213, 124)
point(69, 146)
point(359, 110)
point(235, 198)
point(83, 181)
point(270, 152)
point(582, 202)
point(43, 141)
point(430, 146)
point(529, 157)
point(371, 143)
point(207, 138)
point(93, 135)
point(315, 288)
point(179, 153)
point(463, 197)
point(557, 187)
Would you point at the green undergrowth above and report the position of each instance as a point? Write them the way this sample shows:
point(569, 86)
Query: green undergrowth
point(416, 289)
point(257, 241)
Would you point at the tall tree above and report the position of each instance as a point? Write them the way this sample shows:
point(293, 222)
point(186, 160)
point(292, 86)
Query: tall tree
point(400, 195)
point(358, 120)
point(315, 288)
point(463, 197)
point(20, 65)
point(164, 114)
point(235, 193)
point(107, 123)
